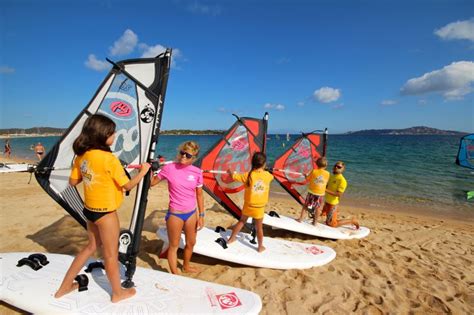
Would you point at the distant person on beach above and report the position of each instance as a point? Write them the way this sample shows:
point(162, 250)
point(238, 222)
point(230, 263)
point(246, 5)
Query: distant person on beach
point(186, 207)
point(317, 181)
point(336, 187)
point(104, 181)
point(39, 150)
point(257, 189)
point(8, 149)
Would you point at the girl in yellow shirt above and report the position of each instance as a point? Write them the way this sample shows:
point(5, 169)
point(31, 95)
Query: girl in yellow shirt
point(257, 188)
point(104, 181)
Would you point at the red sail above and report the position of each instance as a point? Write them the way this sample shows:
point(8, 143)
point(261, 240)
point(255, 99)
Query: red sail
point(299, 159)
point(233, 152)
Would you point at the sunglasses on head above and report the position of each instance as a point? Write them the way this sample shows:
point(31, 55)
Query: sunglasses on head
point(338, 166)
point(186, 154)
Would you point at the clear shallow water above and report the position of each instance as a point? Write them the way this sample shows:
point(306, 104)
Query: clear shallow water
point(416, 171)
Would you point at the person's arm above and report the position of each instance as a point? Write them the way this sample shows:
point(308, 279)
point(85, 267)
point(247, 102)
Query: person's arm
point(155, 180)
point(200, 205)
point(145, 167)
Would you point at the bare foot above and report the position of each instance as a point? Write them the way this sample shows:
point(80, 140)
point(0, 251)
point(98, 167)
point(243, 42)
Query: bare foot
point(191, 269)
point(315, 222)
point(261, 249)
point(230, 240)
point(298, 220)
point(65, 291)
point(354, 221)
point(124, 294)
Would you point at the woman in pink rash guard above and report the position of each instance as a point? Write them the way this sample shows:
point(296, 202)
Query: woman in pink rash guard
point(186, 208)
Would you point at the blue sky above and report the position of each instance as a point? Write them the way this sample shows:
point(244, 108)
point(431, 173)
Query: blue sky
point(344, 65)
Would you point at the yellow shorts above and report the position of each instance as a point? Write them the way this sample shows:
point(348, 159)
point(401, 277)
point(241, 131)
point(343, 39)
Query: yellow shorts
point(253, 212)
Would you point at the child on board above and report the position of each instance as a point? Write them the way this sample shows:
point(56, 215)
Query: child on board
point(317, 181)
point(104, 181)
point(336, 186)
point(257, 189)
point(186, 207)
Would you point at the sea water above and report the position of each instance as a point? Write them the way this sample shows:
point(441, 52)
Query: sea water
point(408, 171)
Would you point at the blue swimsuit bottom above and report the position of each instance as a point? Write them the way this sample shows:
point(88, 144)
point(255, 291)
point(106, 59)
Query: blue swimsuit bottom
point(182, 216)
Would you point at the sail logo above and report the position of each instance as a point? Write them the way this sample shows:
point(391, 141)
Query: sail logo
point(228, 300)
point(313, 250)
point(147, 114)
point(239, 145)
point(121, 109)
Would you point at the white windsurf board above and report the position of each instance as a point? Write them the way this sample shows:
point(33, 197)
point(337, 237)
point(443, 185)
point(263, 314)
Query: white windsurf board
point(279, 254)
point(13, 167)
point(157, 292)
point(321, 230)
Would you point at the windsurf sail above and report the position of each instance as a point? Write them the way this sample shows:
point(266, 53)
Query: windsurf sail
point(465, 157)
point(233, 152)
point(132, 95)
point(299, 159)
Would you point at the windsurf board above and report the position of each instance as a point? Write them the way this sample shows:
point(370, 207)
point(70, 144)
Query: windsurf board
point(321, 230)
point(279, 254)
point(157, 292)
point(13, 167)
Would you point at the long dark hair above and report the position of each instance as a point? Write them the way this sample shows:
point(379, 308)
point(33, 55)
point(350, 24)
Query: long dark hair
point(258, 160)
point(94, 134)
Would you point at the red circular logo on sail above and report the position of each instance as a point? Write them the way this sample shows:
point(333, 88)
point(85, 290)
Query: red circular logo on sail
point(239, 144)
point(121, 109)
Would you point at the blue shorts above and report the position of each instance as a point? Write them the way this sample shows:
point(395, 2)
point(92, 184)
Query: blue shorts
point(182, 216)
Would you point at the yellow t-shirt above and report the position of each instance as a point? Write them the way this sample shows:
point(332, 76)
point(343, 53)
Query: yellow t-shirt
point(337, 183)
point(257, 194)
point(317, 181)
point(103, 177)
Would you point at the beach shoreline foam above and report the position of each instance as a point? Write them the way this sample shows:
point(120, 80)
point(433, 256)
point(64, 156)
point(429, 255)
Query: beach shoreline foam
point(413, 261)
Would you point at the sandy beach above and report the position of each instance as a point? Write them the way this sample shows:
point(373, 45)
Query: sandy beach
point(410, 263)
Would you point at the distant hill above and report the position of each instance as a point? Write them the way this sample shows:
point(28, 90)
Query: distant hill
point(419, 130)
point(32, 131)
point(59, 131)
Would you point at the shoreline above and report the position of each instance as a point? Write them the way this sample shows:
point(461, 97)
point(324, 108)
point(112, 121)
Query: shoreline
point(348, 202)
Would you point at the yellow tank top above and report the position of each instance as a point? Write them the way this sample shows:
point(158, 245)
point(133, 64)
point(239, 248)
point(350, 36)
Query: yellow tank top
point(257, 194)
point(317, 181)
point(103, 177)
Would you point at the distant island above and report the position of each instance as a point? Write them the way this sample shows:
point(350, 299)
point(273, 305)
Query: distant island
point(413, 131)
point(419, 130)
point(49, 131)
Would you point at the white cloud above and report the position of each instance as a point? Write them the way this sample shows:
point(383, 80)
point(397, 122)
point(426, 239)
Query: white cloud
point(278, 107)
point(125, 44)
point(153, 51)
point(95, 64)
point(7, 70)
point(453, 81)
point(457, 30)
point(327, 94)
point(388, 102)
point(199, 8)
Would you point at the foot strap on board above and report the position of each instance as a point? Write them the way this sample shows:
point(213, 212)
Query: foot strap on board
point(94, 265)
point(34, 261)
point(83, 282)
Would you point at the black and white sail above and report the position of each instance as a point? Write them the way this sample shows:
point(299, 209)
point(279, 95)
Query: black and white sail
point(132, 95)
